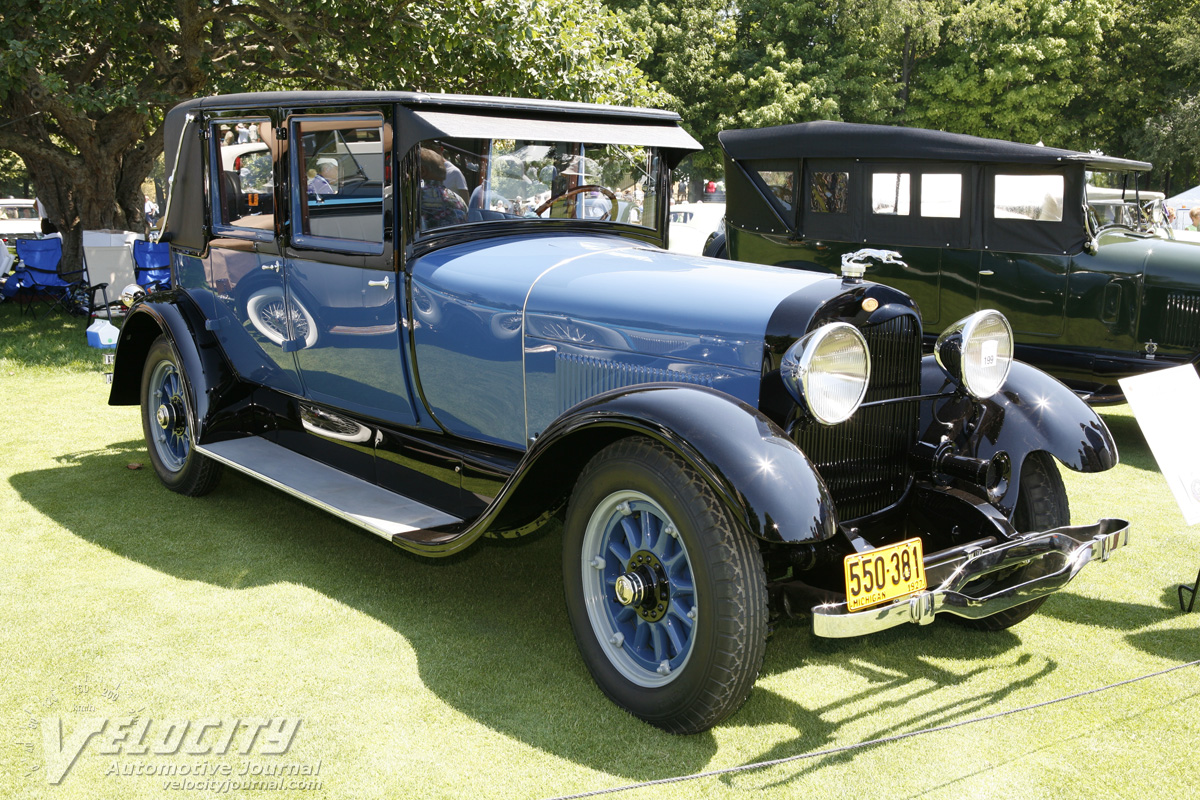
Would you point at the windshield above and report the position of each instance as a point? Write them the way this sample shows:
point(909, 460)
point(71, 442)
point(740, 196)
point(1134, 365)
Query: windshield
point(506, 180)
point(1114, 199)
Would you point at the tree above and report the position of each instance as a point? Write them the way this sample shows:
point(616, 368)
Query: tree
point(1011, 69)
point(84, 84)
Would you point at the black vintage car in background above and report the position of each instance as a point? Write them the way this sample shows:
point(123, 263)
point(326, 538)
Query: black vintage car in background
point(469, 325)
point(1095, 291)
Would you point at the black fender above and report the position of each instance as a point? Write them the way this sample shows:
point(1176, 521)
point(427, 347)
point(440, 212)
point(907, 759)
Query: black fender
point(714, 246)
point(1032, 412)
point(767, 483)
point(207, 376)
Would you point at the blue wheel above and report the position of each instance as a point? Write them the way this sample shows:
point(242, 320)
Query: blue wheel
point(638, 586)
point(167, 426)
point(666, 596)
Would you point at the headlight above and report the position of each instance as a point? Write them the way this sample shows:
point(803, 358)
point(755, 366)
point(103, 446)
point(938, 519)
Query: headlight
point(977, 352)
point(131, 293)
point(827, 372)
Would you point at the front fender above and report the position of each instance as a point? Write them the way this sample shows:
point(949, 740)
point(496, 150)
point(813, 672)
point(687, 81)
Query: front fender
point(765, 481)
point(171, 314)
point(1033, 412)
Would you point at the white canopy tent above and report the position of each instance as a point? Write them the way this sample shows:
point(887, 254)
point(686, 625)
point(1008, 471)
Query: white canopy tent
point(1182, 204)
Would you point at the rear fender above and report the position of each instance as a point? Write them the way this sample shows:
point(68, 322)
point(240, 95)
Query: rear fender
point(765, 481)
point(207, 377)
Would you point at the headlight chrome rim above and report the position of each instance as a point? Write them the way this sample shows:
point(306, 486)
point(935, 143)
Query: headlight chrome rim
point(955, 347)
point(831, 397)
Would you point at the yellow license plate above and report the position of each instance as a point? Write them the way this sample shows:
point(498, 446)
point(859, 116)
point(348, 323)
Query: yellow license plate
point(887, 573)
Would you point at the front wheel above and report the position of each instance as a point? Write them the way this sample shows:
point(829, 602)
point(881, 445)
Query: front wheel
point(666, 596)
point(166, 426)
point(1041, 505)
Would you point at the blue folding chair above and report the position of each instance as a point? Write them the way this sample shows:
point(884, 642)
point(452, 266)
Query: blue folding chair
point(43, 283)
point(152, 264)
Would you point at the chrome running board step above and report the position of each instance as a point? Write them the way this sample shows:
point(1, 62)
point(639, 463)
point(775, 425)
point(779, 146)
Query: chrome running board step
point(383, 513)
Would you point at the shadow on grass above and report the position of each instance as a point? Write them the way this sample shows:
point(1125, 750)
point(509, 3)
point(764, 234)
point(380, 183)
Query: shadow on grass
point(490, 629)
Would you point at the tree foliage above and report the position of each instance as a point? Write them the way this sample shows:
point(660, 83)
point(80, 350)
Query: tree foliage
point(1083, 74)
point(84, 84)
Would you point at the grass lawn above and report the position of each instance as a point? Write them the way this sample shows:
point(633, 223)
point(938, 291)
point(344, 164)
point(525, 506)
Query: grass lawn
point(425, 679)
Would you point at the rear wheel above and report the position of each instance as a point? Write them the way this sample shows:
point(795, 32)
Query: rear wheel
point(166, 426)
point(1041, 505)
point(666, 596)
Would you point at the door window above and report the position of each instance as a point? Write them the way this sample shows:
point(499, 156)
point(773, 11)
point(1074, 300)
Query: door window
point(341, 182)
point(244, 174)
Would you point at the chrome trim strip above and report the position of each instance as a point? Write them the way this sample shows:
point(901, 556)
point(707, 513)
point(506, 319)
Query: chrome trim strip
point(1068, 550)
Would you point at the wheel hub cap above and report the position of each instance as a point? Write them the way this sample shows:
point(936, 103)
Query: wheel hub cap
point(631, 589)
point(164, 417)
point(645, 586)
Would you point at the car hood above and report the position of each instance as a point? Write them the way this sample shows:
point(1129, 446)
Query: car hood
point(623, 296)
point(548, 321)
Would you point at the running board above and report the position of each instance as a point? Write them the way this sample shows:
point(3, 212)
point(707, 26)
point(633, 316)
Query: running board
point(383, 513)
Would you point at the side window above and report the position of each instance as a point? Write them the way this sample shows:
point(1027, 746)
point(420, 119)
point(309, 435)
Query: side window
point(829, 193)
point(780, 186)
point(339, 168)
point(1030, 197)
point(890, 193)
point(941, 195)
point(244, 174)
point(522, 180)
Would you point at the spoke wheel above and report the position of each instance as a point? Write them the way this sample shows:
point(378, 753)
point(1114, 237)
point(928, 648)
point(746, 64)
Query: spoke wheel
point(649, 639)
point(166, 425)
point(666, 596)
point(1041, 505)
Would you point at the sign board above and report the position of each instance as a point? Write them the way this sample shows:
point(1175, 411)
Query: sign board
point(1166, 404)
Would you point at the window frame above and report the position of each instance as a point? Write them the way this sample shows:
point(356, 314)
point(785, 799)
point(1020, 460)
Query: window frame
point(298, 183)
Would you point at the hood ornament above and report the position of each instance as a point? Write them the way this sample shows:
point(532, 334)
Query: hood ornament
point(854, 265)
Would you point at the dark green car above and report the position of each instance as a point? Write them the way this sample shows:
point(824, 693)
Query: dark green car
point(1095, 292)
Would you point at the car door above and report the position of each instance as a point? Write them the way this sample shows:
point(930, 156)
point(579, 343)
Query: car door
point(1025, 206)
point(340, 270)
point(248, 312)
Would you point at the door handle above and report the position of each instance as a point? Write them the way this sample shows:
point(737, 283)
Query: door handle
point(986, 272)
point(383, 284)
point(274, 267)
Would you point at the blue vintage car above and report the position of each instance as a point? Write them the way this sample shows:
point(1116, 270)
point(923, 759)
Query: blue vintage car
point(443, 317)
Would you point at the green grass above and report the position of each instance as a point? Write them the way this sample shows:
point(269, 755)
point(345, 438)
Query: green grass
point(426, 679)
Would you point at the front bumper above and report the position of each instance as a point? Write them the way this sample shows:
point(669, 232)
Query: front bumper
point(1056, 556)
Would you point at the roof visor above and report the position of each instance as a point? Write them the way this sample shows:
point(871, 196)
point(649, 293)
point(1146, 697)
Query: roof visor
point(418, 124)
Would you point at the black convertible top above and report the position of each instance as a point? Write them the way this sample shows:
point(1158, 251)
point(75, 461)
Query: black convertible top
point(851, 140)
point(418, 116)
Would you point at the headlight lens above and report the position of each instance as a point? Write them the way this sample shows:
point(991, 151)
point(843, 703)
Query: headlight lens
point(977, 352)
point(827, 371)
point(131, 293)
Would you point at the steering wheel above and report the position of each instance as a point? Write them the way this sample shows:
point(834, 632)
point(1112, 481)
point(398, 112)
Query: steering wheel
point(589, 187)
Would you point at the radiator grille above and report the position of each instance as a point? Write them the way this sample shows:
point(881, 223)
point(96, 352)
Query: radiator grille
point(864, 461)
point(1181, 320)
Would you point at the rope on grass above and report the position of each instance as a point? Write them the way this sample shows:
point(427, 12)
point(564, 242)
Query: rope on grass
point(872, 742)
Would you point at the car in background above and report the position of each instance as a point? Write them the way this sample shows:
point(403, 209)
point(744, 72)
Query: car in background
point(692, 224)
point(19, 220)
point(436, 358)
point(1063, 243)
